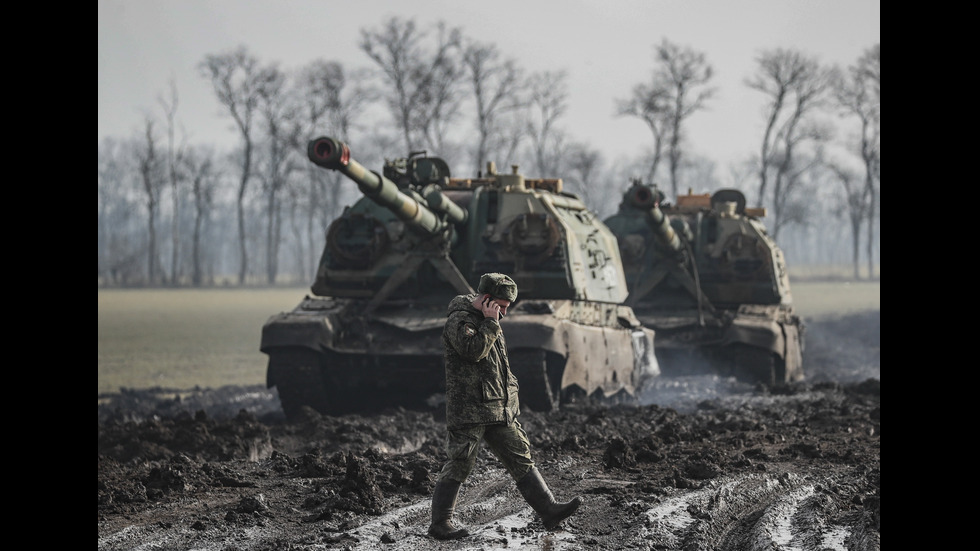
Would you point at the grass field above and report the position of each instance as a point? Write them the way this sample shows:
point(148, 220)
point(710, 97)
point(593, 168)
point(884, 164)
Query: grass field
point(179, 338)
point(182, 338)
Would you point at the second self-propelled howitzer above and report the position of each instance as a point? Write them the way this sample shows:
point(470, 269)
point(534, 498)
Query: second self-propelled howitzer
point(706, 276)
point(369, 335)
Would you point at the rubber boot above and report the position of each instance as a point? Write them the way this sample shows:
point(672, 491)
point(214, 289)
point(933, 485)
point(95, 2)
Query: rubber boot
point(443, 506)
point(539, 497)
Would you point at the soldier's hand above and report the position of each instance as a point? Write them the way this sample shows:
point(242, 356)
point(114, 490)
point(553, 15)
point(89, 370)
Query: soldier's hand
point(486, 305)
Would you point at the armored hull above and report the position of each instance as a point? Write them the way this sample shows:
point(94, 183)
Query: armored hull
point(369, 335)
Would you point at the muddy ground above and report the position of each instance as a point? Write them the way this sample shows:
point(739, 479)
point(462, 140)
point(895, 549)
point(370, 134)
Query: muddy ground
point(701, 464)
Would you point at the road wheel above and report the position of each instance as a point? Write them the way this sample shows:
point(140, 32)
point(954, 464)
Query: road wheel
point(298, 375)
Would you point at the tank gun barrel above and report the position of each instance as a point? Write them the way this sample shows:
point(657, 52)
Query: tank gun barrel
point(660, 224)
point(334, 154)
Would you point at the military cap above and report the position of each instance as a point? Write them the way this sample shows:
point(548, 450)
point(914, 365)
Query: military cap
point(499, 286)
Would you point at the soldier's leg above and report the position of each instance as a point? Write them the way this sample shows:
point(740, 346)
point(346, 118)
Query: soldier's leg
point(462, 447)
point(511, 446)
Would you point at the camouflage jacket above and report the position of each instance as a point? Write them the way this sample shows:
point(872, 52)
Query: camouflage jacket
point(480, 388)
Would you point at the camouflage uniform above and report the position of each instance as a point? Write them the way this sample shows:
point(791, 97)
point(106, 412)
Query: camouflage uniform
point(482, 406)
point(481, 394)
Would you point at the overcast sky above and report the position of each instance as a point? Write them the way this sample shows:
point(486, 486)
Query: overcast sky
point(605, 46)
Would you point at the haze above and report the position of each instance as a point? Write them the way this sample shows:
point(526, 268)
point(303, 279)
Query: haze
point(606, 48)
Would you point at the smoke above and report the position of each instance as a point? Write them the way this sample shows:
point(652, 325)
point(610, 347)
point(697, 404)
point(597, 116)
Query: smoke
point(685, 394)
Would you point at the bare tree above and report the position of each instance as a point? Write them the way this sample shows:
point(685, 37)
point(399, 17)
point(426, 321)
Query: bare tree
point(791, 80)
point(200, 167)
point(498, 88)
point(298, 216)
point(677, 90)
point(685, 74)
point(238, 82)
point(109, 181)
point(649, 103)
point(119, 249)
point(279, 115)
point(421, 89)
point(446, 93)
point(175, 154)
point(859, 93)
point(856, 202)
point(792, 204)
point(796, 86)
point(332, 99)
point(548, 104)
point(149, 167)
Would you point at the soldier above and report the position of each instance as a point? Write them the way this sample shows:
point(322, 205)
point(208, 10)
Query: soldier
point(482, 406)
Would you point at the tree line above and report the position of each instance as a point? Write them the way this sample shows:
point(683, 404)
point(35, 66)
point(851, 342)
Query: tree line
point(183, 214)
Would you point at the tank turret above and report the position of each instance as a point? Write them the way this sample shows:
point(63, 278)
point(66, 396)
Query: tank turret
point(706, 276)
point(647, 199)
point(369, 336)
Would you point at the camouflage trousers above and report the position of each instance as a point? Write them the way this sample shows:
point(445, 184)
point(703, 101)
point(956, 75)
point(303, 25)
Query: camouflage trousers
point(507, 442)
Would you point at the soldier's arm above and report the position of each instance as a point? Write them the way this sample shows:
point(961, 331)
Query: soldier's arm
point(472, 340)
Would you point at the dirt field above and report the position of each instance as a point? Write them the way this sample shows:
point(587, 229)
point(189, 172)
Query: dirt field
point(701, 464)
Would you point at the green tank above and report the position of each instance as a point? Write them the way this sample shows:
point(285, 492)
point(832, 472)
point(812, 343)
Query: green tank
point(705, 275)
point(369, 335)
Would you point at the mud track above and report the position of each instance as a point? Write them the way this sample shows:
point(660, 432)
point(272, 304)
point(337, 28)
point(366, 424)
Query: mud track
point(702, 463)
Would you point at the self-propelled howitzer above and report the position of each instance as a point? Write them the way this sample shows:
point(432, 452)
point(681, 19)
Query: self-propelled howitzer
point(369, 336)
point(706, 276)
